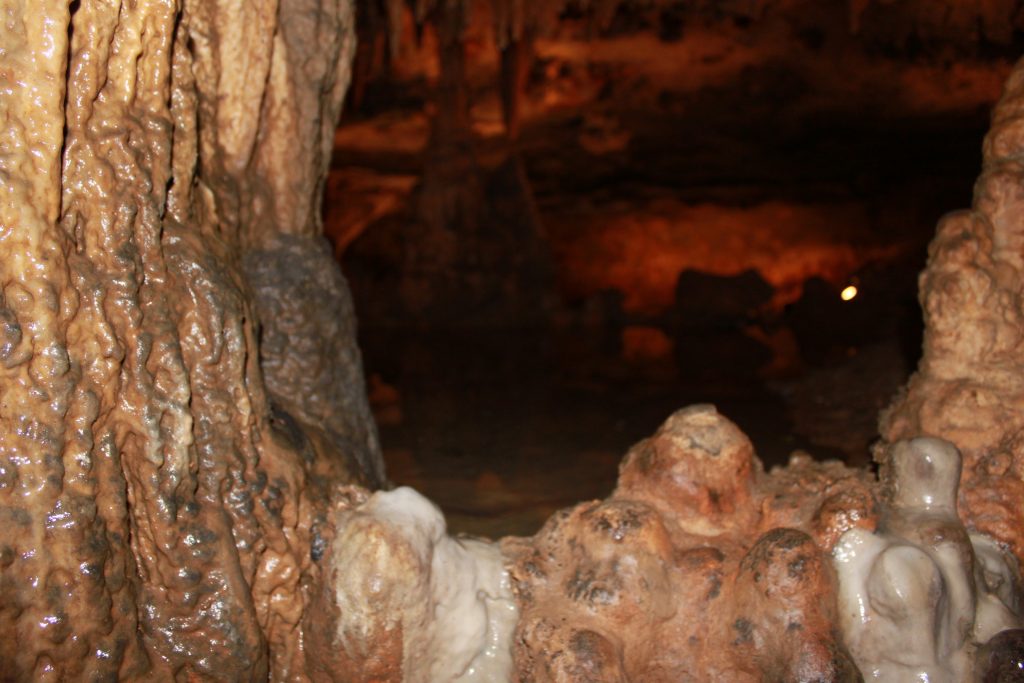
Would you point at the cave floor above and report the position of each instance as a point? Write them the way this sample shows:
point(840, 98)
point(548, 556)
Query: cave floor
point(503, 427)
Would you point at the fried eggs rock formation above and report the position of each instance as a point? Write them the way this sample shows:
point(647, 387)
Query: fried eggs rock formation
point(699, 567)
point(415, 604)
point(917, 596)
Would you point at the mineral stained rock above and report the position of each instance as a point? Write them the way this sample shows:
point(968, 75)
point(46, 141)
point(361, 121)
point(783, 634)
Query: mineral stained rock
point(162, 517)
point(967, 389)
point(700, 566)
point(308, 350)
point(175, 495)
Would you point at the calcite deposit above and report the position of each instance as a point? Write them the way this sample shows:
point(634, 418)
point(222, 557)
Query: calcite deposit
point(308, 351)
point(699, 567)
point(161, 511)
point(185, 447)
point(968, 387)
point(919, 595)
point(416, 604)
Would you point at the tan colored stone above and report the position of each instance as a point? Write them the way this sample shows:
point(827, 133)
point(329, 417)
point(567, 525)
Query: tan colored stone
point(967, 388)
point(160, 521)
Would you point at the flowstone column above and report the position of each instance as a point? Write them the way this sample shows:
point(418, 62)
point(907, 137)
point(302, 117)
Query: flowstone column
point(161, 513)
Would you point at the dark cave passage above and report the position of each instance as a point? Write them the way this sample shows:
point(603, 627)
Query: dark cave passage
point(671, 221)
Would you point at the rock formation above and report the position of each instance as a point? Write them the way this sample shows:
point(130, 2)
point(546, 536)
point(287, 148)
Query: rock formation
point(919, 595)
point(699, 567)
point(967, 389)
point(186, 452)
point(160, 508)
point(415, 604)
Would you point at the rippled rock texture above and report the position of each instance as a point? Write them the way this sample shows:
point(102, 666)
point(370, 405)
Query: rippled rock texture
point(160, 509)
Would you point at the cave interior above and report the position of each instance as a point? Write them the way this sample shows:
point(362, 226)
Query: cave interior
point(588, 341)
point(561, 224)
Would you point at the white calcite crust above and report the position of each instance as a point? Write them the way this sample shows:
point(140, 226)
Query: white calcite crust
point(402, 583)
point(918, 596)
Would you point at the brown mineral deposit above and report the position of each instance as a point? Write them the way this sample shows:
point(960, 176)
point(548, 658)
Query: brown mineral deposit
point(968, 386)
point(162, 512)
point(186, 447)
point(696, 568)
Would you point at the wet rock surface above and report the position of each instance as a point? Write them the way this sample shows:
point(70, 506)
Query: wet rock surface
point(1002, 658)
point(308, 350)
point(967, 387)
point(415, 604)
point(918, 596)
point(699, 567)
point(160, 515)
point(175, 494)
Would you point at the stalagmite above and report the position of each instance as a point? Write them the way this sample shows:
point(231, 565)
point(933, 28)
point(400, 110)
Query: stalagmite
point(967, 389)
point(699, 567)
point(914, 600)
point(433, 607)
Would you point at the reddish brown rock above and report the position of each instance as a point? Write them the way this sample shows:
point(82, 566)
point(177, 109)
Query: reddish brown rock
point(693, 569)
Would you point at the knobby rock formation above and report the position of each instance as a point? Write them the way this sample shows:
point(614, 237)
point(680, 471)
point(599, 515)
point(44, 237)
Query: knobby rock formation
point(160, 494)
point(968, 389)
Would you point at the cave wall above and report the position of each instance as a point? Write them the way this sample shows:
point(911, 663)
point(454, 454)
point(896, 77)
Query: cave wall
point(159, 504)
point(638, 126)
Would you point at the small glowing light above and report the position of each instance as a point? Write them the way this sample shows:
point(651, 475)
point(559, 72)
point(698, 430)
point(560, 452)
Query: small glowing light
point(848, 293)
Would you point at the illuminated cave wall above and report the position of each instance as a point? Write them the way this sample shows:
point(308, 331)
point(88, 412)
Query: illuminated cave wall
point(647, 138)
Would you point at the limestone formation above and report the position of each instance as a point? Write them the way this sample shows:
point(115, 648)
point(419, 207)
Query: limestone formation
point(967, 389)
point(699, 567)
point(308, 350)
point(415, 604)
point(161, 515)
point(918, 596)
point(183, 433)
